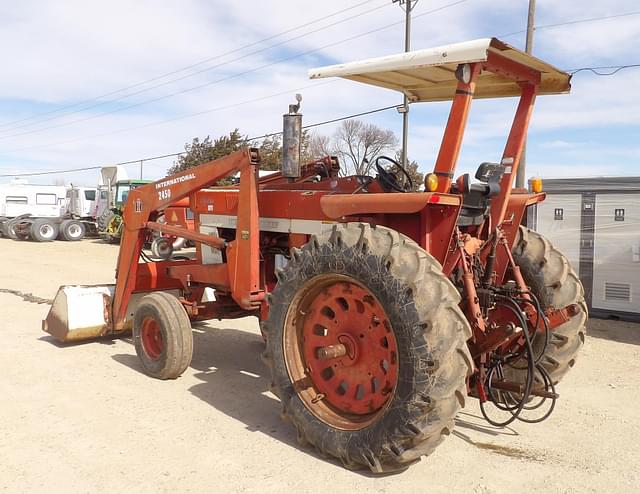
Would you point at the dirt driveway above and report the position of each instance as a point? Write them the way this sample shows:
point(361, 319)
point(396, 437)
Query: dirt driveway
point(84, 418)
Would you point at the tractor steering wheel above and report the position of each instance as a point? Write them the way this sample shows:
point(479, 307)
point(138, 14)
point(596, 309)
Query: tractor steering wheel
point(389, 180)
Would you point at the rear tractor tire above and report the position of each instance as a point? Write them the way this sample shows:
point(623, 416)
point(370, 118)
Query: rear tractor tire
point(103, 219)
point(113, 228)
point(162, 335)
point(551, 278)
point(43, 230)
point(367, 347)
point(72, 230)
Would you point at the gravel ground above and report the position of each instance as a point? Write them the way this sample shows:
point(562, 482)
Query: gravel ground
point(84, 418)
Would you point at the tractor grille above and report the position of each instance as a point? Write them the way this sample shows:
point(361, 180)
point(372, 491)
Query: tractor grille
point(617, 291)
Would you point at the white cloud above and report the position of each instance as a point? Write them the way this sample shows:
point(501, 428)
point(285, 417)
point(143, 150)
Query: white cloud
point(60, 53)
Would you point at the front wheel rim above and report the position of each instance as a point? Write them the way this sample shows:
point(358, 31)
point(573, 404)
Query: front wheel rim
point(341, 352)
point(151, 337)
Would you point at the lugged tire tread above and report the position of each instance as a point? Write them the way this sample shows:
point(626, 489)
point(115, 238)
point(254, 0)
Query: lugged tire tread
point(179, 350)
point(556, 285)
point(430, 410)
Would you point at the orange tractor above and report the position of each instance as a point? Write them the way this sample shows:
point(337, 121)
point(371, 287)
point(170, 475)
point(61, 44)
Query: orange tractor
point(383, 309)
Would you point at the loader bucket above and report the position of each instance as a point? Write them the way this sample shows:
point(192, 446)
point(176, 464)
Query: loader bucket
point(79, 313)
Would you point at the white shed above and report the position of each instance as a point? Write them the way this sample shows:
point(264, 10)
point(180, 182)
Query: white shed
point(596, 223)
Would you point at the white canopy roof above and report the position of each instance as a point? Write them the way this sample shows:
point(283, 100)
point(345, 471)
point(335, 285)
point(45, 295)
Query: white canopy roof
point(429, 74)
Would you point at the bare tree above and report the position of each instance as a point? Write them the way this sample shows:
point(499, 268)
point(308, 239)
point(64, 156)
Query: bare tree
point(413, 169)
point(357, 143)
point(320, 146)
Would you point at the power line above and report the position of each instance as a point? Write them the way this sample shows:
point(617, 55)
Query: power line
point(595, 70)
point(152, 158)
point(567, 23)
point(181, 117)
point(326, 122)
point(593, 19)
point(233, 76)
point(171, 81)
point(612, 69)
point(240, 74)
point(244, 56)
point(183, 69)
point(617, 68)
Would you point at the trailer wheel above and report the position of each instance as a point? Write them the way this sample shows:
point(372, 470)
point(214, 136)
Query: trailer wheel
point(43, 230)
point(9, 230)
point(162, 335)
point(367, 347)
point(551, 278)
point(72, 230)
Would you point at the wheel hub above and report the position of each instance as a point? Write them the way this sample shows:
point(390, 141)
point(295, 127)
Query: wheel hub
point(46, 231)
point(151, 337)
point(350, 345)
point(347, 352)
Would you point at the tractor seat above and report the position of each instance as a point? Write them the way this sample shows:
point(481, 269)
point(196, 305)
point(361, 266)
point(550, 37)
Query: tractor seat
point(476, 198)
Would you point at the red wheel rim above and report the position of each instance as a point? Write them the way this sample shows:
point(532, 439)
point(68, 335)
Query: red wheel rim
point(343, 356)
point(151, 337)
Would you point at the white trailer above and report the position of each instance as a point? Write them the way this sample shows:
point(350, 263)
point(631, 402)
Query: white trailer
point(19, 200)
point(596, 223)
point(19, 197)
point(44, 212)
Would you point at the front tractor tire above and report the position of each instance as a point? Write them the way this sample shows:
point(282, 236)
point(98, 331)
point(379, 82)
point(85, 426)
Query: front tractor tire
point(367, 347)
point(551, 278)
point(113, 229)
point(162, 335)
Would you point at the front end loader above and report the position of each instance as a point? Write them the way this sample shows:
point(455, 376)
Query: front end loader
point(383, 309)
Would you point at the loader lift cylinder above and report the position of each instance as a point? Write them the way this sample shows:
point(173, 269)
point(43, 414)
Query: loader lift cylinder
point(291, 141)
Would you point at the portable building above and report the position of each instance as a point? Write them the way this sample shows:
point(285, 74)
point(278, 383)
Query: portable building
point(595, 222)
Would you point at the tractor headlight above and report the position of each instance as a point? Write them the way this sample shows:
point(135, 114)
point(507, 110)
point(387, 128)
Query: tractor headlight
point(536, 184)
point(431, 182)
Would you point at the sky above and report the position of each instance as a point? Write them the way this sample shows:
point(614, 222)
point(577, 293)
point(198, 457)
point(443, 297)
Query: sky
point(88, 83)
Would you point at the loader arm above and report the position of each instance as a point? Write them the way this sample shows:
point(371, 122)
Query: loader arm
point(144, 201)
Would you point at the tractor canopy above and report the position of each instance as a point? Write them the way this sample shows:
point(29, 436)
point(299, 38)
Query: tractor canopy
point(430, 74)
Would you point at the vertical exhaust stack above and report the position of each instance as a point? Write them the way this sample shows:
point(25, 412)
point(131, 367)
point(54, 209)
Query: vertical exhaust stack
point(292, 140)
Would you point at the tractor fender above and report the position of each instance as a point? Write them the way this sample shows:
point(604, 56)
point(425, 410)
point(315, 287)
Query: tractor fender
point(339, 205)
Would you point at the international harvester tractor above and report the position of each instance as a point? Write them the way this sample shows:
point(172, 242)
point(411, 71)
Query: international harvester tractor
point(382, 309)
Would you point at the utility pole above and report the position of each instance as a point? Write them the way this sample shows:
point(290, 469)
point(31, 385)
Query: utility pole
point(141, 169)
point(404, 109)
point(521, 177)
